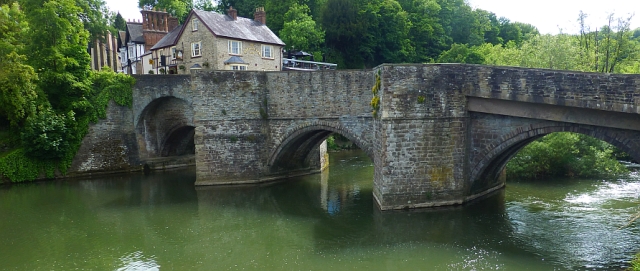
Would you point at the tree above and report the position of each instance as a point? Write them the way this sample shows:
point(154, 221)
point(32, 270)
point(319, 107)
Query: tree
point(177, 8)
point(276, 10)
point(427, 34)
point(58, 52)
point(461, 53)
point(119, 23)
point(245, 8)
point(204, 5)
point(17, 80)
point(300, 30)
point(343, 32)
point(95, 17)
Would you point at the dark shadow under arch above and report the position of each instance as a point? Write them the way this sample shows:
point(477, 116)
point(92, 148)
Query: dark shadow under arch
point(165, 127)
point(294, 151)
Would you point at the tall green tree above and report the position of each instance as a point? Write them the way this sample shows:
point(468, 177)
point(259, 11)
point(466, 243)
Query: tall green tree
point(119, 23)
point(426, 32)
point(300, 30)
point(344, 31)
point(58, 52)
point(276, 10)
point(17, 79)
point(95, 17)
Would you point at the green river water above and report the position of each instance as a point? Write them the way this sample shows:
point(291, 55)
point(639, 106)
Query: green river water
point(326, 221)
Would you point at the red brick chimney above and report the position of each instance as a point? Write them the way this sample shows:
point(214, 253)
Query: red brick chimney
point(173, 22)
point(232, 13)
point(260, 15)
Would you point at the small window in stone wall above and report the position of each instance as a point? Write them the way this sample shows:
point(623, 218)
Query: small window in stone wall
point(173, 52)
point(235, 47)
point(239, 67)
point(194, 24)
point(196, 49)
point(267, 51)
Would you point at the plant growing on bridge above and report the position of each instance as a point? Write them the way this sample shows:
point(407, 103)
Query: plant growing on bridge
point(263, 109)
point(375, 101)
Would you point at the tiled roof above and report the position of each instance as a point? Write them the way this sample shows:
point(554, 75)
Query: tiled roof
point(169, 39)
point(122, 36)
point(242, 28)
point(235, 60)
point(135, 32)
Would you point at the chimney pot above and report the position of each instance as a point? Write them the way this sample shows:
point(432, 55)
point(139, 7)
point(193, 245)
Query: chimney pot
point(232, 13)
point(260, 15)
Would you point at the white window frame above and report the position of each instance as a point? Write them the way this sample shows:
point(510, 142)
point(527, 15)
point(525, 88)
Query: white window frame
point(173, 52)
point(193, 49)
point(235, 67)
point(269, 49)
point(194, 24)
point(231, 48)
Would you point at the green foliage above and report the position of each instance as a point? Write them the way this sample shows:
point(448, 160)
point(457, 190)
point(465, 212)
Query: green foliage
point(48, 136)
point(119, 23)
point(635, 263)
point(17, 80)
point(564, 154)
point(375, 101)
point(331, 144)
point(421, 99)
point(16, 166)
point(300, 30)
point(178, 8)
point(461, 53)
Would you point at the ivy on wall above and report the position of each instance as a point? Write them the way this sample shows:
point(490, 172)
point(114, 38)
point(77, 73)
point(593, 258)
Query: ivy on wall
point(51, 140)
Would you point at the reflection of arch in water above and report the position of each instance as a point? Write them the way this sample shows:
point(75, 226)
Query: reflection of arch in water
point(493, 159)
point(165, 128)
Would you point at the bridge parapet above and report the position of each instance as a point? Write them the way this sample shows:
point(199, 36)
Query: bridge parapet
point(609, 92)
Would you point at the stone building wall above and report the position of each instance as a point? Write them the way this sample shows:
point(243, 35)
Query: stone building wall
point(215, 51)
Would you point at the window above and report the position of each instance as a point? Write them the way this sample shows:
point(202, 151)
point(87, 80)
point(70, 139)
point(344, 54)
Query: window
point(239, 67)
point(196, 49)
point(194, 24)
point(235, 47)
point(267, 51)
point(131, 51)
point(173, 52)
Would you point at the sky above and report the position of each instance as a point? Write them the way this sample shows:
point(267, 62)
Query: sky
point(549, 16)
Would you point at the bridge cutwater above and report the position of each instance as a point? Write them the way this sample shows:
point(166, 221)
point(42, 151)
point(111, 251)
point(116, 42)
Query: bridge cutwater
point(441, 135)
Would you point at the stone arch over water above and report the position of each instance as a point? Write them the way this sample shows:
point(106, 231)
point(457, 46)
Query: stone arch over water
point(165, 128)
point(294, 148)
point(491, 156)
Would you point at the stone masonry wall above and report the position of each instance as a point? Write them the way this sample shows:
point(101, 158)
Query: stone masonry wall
point(230, 132)
point(422, 133)
point(610, 92)
point(109, 146)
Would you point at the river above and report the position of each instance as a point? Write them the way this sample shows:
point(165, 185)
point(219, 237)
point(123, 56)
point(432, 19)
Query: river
point(326, 221)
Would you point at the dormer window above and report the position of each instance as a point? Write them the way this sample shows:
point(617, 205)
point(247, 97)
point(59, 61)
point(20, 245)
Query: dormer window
point(194, 24)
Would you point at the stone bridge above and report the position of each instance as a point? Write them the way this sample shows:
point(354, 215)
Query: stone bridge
point(442, 135)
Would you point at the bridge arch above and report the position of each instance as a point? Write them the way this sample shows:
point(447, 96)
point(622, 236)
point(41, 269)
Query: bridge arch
point(495, 157)
point(294, 148)
point(165, 128)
